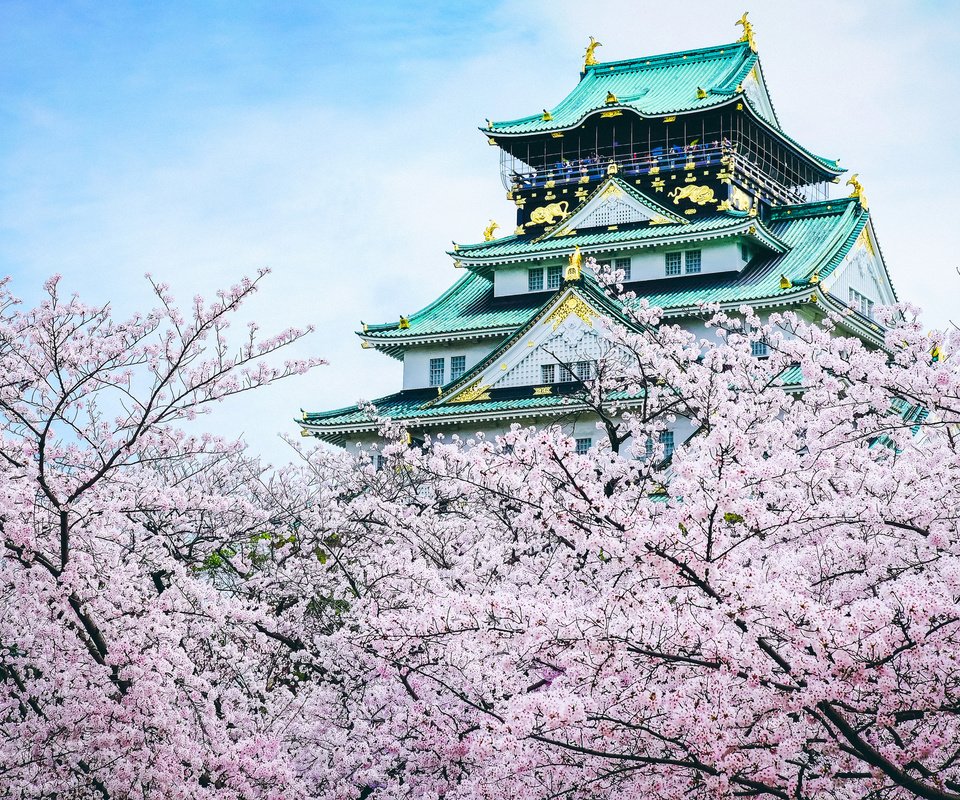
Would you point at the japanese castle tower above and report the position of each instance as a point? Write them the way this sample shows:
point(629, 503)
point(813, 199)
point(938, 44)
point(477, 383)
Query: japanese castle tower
point(673, 168)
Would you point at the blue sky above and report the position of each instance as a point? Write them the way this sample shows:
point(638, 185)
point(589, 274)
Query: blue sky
point(336, 143)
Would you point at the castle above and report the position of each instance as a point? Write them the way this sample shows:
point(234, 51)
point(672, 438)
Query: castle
point(672, 168)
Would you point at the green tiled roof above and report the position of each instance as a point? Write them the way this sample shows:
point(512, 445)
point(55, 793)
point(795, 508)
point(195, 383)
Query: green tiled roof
point(413, 405)
point(468, 305)
point(818, 234)
point(652, 86)
point(512, 246)
point(815, 237)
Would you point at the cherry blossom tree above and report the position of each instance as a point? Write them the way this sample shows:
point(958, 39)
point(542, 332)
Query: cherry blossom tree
point(772, 611)
point(135, 654)
point(769, 610)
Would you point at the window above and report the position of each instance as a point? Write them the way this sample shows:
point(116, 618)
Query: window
point(554, 277)
point(548, 373)
point(436, 372)
point(583, 370)
point(624, 264)
point(666, 441)
point(566, 376)
point(861, 303)
point(691, 260)
point(534, 280)
point(583, 446)
point(381, 462)
point(758, 348)
point(673, 264)
point(458, 365)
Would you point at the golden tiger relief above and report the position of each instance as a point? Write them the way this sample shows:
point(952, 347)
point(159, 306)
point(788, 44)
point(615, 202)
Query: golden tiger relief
point(701, 195)
point(548, 214)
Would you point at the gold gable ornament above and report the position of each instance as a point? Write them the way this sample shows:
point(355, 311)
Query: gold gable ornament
point(404, 323)
point(488, 231)
point(474, 392)
point(701, 93)
point(572, 305)
point(611, 99)
point(547, 116)
point(574, 266)
point(589, 57)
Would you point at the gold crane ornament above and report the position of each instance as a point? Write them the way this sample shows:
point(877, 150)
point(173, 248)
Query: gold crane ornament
point(589, 59)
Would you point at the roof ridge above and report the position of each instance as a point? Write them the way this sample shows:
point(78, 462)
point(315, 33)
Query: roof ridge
point(812, 209)
point(675, 55)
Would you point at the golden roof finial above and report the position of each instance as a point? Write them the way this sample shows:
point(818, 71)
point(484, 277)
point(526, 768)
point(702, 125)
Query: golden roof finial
point(611, 99)
point(785, 282)
point(747, 35)
point(574, 265)
point(547, 116)
point(404, 323)
point(857, 190)
point(701, 93)
point(589, 59)
point(488, 231)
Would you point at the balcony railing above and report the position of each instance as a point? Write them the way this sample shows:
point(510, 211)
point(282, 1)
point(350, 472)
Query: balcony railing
point(519, 176)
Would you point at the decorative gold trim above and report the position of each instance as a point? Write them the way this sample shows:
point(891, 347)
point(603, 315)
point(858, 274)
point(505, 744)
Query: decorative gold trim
point(608, 114)
point(669, 119)
point(540, 391)
point(557, 135)
point(475, 391)
point(572, 305)
point(661, 221)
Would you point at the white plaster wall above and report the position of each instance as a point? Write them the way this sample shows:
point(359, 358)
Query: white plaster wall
point(513, 279)
point(862, 272)
point(646, 264)
point(416, 360)
point(581, 426)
